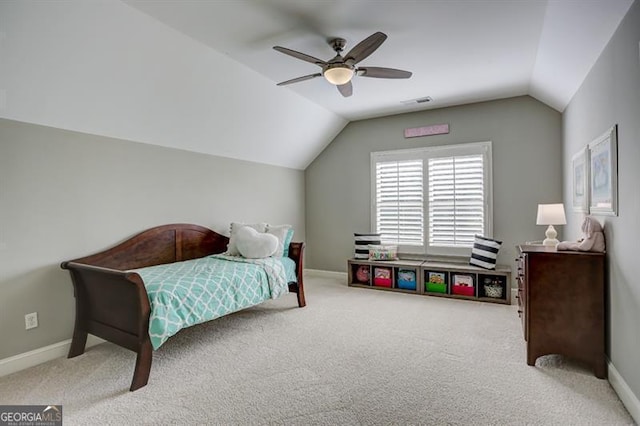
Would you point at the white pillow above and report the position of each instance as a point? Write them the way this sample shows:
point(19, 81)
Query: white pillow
point(280, 231)
point(232, 249)
point(255, 245)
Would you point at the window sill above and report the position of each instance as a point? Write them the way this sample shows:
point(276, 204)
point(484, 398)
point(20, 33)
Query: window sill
point(435, 258)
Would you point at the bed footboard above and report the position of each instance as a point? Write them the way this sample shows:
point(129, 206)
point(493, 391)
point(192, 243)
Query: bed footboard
point(112, 305)
point(296, 251)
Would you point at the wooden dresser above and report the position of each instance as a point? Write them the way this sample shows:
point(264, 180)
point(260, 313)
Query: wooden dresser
point(561, 304)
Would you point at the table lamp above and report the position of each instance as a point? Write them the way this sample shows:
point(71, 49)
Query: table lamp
point(551, 214)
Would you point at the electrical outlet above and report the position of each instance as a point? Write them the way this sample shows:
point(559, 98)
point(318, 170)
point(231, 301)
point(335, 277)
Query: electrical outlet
point(31, 320)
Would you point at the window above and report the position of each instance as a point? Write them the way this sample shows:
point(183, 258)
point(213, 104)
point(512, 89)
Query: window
point(399, 201)
point(433, 200)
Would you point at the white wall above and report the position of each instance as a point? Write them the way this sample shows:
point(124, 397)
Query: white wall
point(611, 94)
point(66, 194)
point(105, 68)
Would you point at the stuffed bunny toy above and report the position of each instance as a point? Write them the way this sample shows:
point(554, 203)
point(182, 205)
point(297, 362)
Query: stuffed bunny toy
point(593, 237)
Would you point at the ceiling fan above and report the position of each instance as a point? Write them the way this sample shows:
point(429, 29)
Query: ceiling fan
point(341, 69)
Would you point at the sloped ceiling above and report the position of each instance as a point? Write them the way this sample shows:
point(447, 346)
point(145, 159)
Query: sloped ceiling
point(201, 75)
point(459, 51)
point(104, 68)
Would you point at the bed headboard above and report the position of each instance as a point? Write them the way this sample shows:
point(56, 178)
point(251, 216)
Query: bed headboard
point(159, 245)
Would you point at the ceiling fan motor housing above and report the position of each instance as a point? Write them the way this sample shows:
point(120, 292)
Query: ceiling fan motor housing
point(338, 44)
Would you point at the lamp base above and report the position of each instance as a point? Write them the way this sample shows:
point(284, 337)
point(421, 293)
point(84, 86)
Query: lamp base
point(551, 235)
point(550, 242)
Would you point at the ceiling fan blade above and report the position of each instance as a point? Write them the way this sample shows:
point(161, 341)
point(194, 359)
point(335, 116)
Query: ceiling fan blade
point(299, 79)
point(365, 48)
point(300, 55)
point(378, 72)
point(346, 89)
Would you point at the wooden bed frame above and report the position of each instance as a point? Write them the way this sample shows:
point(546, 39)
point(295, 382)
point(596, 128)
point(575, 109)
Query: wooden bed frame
point(112, 303)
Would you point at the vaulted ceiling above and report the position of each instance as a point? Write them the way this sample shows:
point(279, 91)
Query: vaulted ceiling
point(459, 51)
point(201, 75)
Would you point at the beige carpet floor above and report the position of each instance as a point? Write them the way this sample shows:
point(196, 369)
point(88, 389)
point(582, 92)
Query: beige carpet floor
point(351, 357)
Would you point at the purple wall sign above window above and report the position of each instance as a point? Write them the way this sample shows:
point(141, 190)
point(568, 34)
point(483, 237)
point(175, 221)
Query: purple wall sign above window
point(436, 129)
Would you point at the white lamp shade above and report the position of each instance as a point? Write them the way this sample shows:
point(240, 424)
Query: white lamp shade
point(338, 75)
point(551, 214)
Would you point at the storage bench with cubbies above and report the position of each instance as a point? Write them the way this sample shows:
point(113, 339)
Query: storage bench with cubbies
point(445, 279)
point(400, 275)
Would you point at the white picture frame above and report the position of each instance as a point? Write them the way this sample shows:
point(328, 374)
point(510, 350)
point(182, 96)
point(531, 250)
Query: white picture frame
point(603, 174)
point(580, 181)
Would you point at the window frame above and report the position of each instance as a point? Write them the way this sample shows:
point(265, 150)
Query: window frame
point(424, 154)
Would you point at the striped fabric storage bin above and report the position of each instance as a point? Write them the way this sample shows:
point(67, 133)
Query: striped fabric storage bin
point(362, 241)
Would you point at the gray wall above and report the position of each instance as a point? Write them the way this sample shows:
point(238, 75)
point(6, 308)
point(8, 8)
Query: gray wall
point(611, 94)
point(65, 194)
point(527, 170)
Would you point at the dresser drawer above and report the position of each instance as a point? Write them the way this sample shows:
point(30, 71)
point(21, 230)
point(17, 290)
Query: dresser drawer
point(520, 297)
point(521, 263)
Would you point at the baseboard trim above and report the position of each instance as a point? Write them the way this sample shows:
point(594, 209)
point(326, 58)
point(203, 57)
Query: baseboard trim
point(626, 395)
point(32, 358)
point(326, 274)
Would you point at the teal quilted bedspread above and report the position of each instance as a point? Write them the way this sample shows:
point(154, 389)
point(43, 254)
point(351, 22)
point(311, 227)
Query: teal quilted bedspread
point(186, 293)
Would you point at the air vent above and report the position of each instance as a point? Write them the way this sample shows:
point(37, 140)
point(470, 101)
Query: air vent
point(422, 100)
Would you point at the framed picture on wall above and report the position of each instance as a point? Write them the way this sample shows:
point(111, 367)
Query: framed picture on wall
point(603, 174)
point(580, 181)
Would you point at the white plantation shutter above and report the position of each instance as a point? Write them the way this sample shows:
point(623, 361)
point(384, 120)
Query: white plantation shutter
point(399, 202)
point(456, 200)
point(433, 200)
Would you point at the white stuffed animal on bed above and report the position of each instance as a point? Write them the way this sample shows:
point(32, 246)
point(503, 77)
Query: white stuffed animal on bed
point(593, 238)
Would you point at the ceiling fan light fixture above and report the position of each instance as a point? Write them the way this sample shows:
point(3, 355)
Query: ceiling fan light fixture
point(338, 75)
